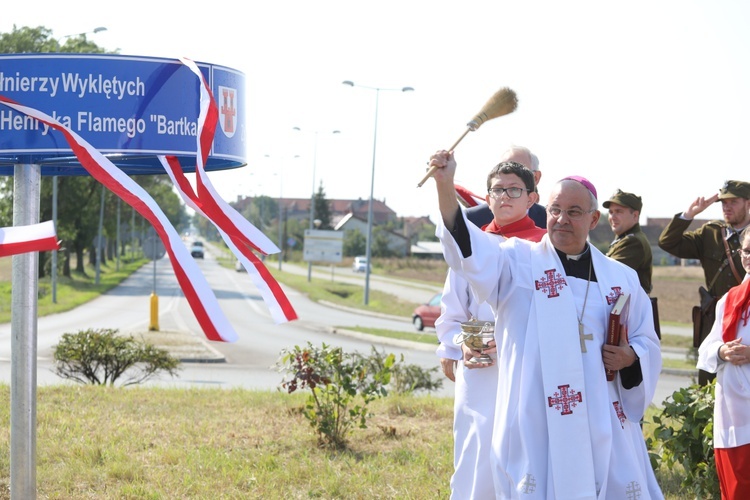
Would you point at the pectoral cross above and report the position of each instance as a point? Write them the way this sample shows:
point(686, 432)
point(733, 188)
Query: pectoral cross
point(584, 337)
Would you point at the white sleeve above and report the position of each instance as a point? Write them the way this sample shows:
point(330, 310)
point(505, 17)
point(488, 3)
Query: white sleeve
point(454, 310)
point(708, 352)
point(486, 260)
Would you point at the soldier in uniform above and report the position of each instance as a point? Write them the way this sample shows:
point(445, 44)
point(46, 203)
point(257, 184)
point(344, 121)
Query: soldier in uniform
point(716, 244)
point(630, 246)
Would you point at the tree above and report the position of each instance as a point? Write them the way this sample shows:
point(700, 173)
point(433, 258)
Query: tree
point(355, 243)
point(322, 208)
point(380, 243)
point(27, 40)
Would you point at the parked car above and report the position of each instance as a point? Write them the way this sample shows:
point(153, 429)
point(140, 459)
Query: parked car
point(425, 315)
point(360, 264)
point(196, 249)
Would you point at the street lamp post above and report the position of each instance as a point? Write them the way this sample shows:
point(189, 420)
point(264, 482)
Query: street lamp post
point(372, 180)
point(312, 195)
point(94, 31)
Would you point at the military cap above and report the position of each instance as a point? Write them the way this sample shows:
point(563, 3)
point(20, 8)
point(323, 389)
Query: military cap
point(735, 189)
point(625, 199)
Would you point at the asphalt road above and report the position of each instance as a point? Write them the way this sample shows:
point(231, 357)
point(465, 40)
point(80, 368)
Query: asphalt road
point(248, 363)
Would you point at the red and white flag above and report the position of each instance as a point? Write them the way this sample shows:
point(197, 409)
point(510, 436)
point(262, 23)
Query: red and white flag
point(467, 198)
point(31, 238)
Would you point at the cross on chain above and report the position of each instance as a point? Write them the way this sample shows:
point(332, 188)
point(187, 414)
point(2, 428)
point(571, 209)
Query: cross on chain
point(552, 282)
point(565, 400)
point(584, 337)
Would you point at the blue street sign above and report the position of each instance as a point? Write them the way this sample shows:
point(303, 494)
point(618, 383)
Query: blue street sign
point(130, 108)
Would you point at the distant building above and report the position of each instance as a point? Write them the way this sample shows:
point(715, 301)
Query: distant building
point(427, 250)
point(397, 243)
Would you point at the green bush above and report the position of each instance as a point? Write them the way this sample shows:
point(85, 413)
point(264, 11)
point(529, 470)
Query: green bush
point(405, 379)
point(341, 385)
point(101, 357)
point(683, 434)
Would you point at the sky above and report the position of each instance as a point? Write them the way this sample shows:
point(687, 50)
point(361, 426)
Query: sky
point(651, 97)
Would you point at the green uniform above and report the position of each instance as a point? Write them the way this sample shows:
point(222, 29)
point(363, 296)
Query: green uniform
point(633, 249)
point(705, 244)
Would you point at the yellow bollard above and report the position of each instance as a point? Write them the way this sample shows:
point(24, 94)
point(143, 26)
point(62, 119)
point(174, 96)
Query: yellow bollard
point(154, 325)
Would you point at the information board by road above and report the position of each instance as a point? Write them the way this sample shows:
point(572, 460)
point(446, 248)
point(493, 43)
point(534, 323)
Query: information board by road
point(323, 246)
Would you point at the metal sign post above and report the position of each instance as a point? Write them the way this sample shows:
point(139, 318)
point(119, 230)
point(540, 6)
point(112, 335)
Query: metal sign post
point(25, 269)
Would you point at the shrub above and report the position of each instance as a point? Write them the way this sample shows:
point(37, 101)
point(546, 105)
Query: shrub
point(341, 386)
point(405, 379)
point(683, 434)
point(101, 357)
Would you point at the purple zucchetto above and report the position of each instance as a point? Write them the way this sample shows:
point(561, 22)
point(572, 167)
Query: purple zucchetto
point(586, 183)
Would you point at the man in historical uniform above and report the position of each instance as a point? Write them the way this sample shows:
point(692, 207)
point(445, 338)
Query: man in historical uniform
point(630, 246)
point(716, 245)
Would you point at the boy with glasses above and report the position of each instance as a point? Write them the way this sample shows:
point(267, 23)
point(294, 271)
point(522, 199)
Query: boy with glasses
point(510, 193)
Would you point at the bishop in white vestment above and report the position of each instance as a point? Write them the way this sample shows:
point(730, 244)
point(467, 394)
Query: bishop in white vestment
point(561, 429)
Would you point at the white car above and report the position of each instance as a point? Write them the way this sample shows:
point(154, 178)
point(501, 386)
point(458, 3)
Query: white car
point(360, 264)
point(196, 249)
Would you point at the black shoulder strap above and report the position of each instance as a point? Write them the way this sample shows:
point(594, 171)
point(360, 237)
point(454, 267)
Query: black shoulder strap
point(731, 261)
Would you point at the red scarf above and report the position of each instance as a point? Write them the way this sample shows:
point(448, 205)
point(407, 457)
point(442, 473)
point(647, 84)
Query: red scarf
point(736, 303)
point(523, 228)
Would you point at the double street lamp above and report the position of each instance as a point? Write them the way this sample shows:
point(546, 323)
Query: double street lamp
point(312, 195)
point(372, 180)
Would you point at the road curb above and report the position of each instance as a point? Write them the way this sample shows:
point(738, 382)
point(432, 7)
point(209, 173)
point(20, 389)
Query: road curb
point(364, 311)
point(407, 344)
point(185, 346)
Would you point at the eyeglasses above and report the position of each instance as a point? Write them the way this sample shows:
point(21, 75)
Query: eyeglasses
point(512, 192)
point(573, 213)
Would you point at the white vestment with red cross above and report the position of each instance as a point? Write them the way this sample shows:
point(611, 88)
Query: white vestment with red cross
point(561, 430)
point(474, 393)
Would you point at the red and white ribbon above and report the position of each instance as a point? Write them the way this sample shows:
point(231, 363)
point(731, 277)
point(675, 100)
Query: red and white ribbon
point(466, 197)
point(238, 233)
point(32, 238)
point(278, 303)
point(198, 293)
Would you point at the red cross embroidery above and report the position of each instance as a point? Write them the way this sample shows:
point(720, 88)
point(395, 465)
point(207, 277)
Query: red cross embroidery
point(620, 414)
point(228, 110)
point(612, 297)
point(565, 400)
point(551, 283)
